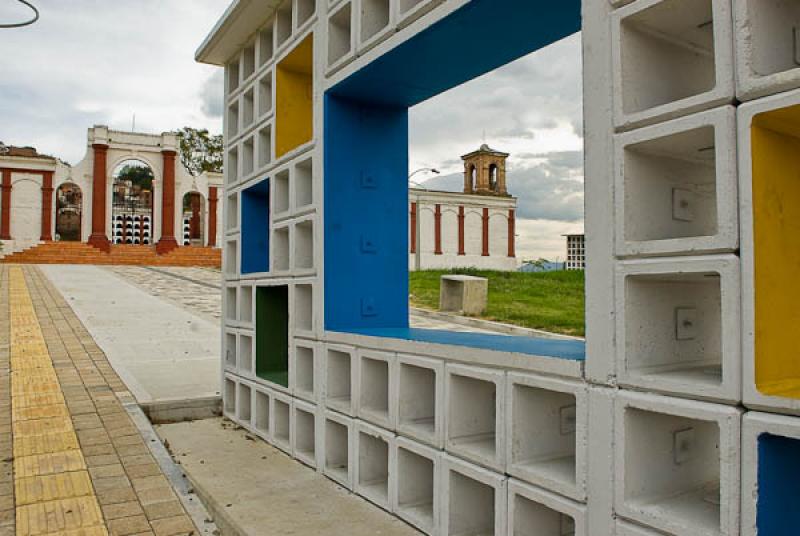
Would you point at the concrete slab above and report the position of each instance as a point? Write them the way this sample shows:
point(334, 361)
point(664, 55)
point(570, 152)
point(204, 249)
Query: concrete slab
point(252, 488)
point(160, 350)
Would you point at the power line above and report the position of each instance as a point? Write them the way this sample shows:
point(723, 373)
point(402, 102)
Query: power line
point(27, 22)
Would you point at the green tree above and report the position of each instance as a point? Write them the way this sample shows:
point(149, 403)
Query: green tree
point(141, 176)
point(200, 151)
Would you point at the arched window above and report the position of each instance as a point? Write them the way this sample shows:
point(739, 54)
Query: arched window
point(132, 205)
point(473, 178)
point(193, 219)
point(493, 177)
point(69, 204)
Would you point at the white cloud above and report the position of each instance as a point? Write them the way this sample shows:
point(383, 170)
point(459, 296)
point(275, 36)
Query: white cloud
point(543, 239)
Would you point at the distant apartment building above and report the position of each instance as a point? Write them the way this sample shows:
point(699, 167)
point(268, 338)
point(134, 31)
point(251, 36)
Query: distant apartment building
point(576, 252)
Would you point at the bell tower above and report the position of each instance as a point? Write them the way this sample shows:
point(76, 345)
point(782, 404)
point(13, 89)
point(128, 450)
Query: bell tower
point(485, 172)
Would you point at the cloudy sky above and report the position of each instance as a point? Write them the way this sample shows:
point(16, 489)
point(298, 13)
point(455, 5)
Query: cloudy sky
point(92, 62)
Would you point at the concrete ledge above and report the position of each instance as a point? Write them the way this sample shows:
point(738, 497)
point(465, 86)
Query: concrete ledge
point(170, 411)
point(490, 325)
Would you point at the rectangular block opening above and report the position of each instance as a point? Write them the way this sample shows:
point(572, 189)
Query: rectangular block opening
point(472, 506)
point(248, 157)
point(246, 353)
point(272, 334)
point(294, 114)
point(262, 413)
point(304, 245)
point(305, 10)
point(265, 146)
point(670, 187)
point(266, 45)
point(305, 435)
point(304, 370)
point(282, 192)
point(776, 250)
point(231, 252)
point(535, 519)
point(232, 212)
point(233, 119)
point(672, 468)
point(373, 467)
point(415, 488)
point(246, 304)
point(374, 389)
point(265, 94)
point(281, 251)
point(471, 423)
point(282, 416)
point(417, 401)
point(248, 108)
point(673, 36)
point(231, 350)
point(248, 62)
point(673, 326)
point(304, 184)
point(304, 308)
point(229, 398)
point(337, 450)
point(233, 75)
point(283, 22)
point(232, 166)
point(230, 303)
point(774, 27)
point(375, 16)
point(338, 390)
point(340, 37)
point(255, 222)
point(245, 403)
point(543, 433)
point(778, 493)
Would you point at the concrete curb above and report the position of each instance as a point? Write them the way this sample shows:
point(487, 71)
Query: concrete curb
point(192, 409)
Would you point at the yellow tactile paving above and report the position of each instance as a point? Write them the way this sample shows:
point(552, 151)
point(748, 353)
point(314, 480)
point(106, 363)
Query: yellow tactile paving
point(53, 491)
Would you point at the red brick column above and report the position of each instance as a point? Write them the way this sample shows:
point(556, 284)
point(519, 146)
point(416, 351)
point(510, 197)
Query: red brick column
point(98, 237)
point(47, 206)
point(461, 241)
point(437, 217)
point(486, 232)
point(512, 229)
point(167, 242)
point(212, 216)
point(5, 209)
point(413, 227)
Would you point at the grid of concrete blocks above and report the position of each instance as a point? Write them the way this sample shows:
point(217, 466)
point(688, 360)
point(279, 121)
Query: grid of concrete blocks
point(677, 423)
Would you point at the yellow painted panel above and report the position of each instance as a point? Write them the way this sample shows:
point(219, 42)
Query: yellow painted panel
point(294, 93)
point(776, 233)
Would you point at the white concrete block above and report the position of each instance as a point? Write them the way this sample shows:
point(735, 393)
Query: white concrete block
point(262, 408)
point(338, 461)
point(533, 511)
point(246, 350)
point(231, 214)
point(284, 22)
point(230, 258)
point(420, 393)
point(305, 433)
point(341, 383)
point(303, 186)
point(770, 472)
point(229, 397)
point(547, 433)
point(676, 188)
point(474, 500)
point(655, 39)
point(475, 422)
point(677, 464)
point(303, 313)
point(304, 246)
point(678, 326)
point(231, 304)
point(281, 248)
point(625, 528)
point(266, 44)
point(418, 486)
point(244, 404)
point(281, 194)
point(377, 388)
point(265, 104)
point(304, 370)
point(376, 23)
point(281, 424)
point(407, 11)
point(231, 350)
point(775, 388)
point(767, 49)
point(341, 36)
point(246, 305)
point(304, 11)
point(373, 474)
point(601, 471)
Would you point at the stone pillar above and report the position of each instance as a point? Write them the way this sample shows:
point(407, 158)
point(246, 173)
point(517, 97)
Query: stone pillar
point(168, 242)
point(212, 216)
point(5, 209)
point(437, 217)
point(485, 232)
point(98, 237)
point(461, 241)
point(512, 229)
point(47, 206)
point(413, 227)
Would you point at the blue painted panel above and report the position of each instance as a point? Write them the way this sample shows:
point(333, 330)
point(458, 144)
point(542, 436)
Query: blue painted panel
point(561, 349)
point(778, 486)
point(255, 228)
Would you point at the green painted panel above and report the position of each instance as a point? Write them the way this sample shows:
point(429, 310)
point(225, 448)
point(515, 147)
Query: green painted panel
point(272, 334)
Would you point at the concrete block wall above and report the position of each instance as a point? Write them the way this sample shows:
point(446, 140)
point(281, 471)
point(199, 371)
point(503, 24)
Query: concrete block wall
point(681, 421)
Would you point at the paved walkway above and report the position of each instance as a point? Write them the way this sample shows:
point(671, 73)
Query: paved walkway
point(162, 350)
point(74, 464)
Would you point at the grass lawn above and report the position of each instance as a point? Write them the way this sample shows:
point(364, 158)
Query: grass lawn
point(552, 301)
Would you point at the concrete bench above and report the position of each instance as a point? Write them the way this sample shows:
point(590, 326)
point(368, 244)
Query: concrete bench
point(463, 294)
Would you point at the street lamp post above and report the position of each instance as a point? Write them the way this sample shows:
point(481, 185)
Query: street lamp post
point(418, 223)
